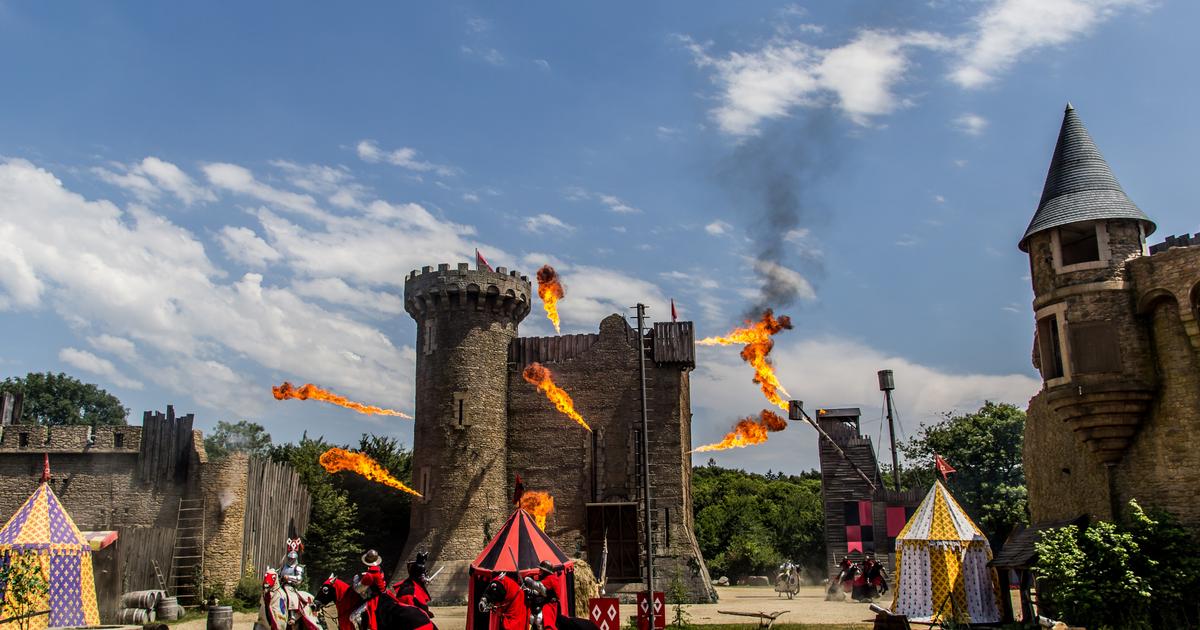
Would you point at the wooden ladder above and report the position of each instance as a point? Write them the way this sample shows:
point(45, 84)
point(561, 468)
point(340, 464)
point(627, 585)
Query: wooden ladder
point(187, 559)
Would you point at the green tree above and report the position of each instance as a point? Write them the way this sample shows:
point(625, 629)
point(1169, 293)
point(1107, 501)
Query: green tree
point(383, 512)
point(58, 399)
point(242, 436)
point(1088, 577)
point(748, 523)
point(331, 542)
point(985, 448)
point(24, 587)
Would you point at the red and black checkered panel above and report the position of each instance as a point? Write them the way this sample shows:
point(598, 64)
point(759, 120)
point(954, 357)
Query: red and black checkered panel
point(860, 530)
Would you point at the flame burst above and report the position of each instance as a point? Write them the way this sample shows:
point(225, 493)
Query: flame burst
point(748, 431)
point(551, 291)
point(538, 375)
point(307, 391)
point(338, 459)
point(758, 343)
point(539, 505)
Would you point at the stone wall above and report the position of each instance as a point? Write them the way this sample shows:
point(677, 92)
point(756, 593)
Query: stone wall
point(554, 454)
point(223, 486)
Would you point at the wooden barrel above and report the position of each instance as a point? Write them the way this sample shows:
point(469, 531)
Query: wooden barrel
point(168, 609)
point(220, 618)
point(134, 616)
point(142, 599)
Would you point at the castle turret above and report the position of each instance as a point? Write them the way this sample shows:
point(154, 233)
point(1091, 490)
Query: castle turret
point(465, 321)
point(1093, 354)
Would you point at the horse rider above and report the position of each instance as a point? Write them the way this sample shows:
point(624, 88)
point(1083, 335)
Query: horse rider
point(876, 576)
point(414, 590)
point(369, 585)
point(291, 574)
point(550, 583)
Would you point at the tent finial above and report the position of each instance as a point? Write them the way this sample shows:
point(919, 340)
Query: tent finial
point(45, 467)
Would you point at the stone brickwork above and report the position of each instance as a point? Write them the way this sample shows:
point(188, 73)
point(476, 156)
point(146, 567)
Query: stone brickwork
point(224, 489)
point(1151, 299)
point(479, 423)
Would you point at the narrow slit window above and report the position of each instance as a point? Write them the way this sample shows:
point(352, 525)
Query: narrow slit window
point(462, 413)
point(119, 440)
point(23, 440)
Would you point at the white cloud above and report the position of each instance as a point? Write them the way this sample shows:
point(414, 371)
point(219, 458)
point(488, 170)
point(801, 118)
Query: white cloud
point(148, 179)
point(240, 180)
point(489, 55)
point(336, 183)
point(88, 362)
point(939, 199)
point(612, 202)
point(1009, 29)
point(470, 197)
point(135, 276)
point(121, 347)
point(717, 228)
point(857, 78)
point(404, 157)
point(540, 223)
point(542, 64)
point(336, 291)
point(244, 246)
point(831, 372)
point(907, 240)
point(971, 124)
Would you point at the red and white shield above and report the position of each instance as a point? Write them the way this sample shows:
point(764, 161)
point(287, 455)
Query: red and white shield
point(605, 612)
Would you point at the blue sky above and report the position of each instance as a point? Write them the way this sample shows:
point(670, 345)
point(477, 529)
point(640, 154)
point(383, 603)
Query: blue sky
point(200, 200)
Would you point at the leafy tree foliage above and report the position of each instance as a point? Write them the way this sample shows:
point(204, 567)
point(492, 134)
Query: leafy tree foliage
point(331, 542)
point(58, 399)
point(242, 436)
point(1121, 576)
point(747, 523)
point(383, 512)
point(24, 587)
point(985, 448)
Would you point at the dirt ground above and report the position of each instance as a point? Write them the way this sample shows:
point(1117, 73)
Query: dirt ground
point(809, 607)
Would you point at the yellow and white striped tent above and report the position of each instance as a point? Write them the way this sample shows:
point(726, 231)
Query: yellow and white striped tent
point(942, 570)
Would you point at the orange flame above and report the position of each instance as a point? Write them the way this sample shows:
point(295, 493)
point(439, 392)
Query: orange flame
point(551, 291)
point(338, 459)
point(307, 391)
point(748, 431)
point(758, 343)
point(538, 375)
point(539, 505)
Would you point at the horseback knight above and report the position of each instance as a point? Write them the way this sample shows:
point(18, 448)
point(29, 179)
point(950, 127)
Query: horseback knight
point(414, 590)
point(369, 585)
point(543, 596)
point(291, 575)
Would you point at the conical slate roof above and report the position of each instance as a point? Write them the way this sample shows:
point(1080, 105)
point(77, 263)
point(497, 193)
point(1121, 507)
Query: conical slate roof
point(1079, 185)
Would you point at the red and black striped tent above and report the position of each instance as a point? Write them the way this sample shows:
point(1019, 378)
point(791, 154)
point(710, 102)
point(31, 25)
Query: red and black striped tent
point(519, 547)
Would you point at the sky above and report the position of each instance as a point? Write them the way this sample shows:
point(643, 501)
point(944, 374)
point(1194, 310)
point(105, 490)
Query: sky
point(201, 200)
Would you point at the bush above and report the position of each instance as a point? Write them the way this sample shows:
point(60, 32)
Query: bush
point(1120, 577)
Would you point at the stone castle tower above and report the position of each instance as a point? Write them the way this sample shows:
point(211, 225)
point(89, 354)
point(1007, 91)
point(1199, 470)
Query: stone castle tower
point(465, 322)
point(479, 424)
point(1117, 346)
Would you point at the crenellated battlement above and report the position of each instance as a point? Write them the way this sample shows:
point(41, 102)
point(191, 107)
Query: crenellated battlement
point(503, 292)
point(1173, 241)
point(70, 439)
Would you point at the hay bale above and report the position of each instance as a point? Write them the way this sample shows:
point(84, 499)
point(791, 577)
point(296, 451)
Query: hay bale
point(586, 587)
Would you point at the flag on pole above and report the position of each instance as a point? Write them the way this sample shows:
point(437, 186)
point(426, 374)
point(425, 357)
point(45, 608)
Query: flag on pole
point(481, 262)
point(942, 466)
point(674, 315)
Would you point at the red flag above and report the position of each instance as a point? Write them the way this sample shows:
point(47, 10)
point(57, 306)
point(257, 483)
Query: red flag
point(481, 262)
point(45, 467)
point(518, 491)
point(942, 466)
point(674, 315)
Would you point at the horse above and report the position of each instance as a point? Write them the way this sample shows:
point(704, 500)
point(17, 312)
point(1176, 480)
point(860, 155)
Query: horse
point(787, 581)
point(389, 613)
point(284, 609)
point(520, 607)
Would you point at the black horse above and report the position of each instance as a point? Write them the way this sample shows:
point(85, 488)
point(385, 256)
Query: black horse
point(389, 614)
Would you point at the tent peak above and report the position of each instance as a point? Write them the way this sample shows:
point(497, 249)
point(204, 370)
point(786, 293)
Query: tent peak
point(45, 468)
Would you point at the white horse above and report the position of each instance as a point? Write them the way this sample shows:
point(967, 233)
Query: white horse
point(787, 581)
point(284, 609)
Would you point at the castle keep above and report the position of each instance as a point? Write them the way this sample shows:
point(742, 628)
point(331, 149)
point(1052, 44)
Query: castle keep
point(1117, 344)
point(479, 424)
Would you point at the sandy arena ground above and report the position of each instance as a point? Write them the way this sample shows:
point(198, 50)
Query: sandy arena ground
point(809, 607)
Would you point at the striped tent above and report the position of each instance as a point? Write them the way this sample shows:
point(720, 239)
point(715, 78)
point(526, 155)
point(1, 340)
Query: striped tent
point(519, 547)
point(42, 532)
point(942, 568)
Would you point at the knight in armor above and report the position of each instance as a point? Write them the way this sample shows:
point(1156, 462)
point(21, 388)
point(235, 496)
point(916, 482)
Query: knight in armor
point(546, 590)
point(414, 589)
point(876, 577)
point(369, 585)
point(291, 575)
